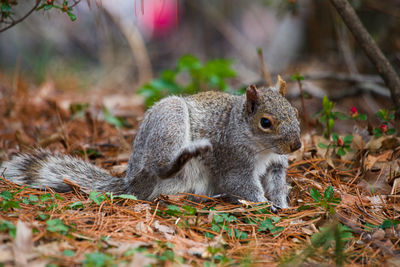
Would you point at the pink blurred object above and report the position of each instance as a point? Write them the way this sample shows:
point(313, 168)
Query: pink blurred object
point(157, 17)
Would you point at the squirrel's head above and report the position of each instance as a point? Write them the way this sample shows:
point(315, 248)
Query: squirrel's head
point(273, 120)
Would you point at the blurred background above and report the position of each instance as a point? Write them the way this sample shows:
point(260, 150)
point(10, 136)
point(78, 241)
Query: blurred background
point(116, 47)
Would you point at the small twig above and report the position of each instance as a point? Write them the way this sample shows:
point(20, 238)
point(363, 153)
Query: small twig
point(303, 106)
point(264, 71)
point(344, 77)
point(21, 19)
point(75, 3)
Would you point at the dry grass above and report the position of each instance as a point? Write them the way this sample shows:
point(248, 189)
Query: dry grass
point(116, 226)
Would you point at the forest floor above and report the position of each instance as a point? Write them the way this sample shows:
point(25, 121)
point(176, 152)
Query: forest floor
point(344, 211)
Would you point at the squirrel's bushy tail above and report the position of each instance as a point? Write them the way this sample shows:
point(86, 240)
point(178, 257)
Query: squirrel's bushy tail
point(42, 169)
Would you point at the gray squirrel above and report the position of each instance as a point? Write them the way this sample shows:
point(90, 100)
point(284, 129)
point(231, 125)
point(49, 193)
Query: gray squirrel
point(207, 144)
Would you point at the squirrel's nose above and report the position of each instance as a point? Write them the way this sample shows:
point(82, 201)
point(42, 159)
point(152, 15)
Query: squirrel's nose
point(295, 145)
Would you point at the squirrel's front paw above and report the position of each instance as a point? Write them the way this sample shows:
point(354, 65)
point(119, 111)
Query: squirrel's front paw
point(195, 149)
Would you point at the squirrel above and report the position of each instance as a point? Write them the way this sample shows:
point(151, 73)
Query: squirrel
point(208, 143)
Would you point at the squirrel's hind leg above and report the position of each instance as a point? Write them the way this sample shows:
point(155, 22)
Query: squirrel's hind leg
point(167, 133)
point(192, 150)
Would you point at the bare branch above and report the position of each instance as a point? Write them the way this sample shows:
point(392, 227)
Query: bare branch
point(370, 48)
point(14, 22)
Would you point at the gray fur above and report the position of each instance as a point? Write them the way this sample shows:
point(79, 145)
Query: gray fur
point(209, 143)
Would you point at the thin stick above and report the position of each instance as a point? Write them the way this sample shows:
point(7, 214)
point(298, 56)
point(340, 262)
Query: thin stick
point(21, 19)
point(264, 70)
point(303, 106)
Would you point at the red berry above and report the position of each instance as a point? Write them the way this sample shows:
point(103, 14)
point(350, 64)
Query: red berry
point(353, 112)
point(340, 142)
point(383, 128)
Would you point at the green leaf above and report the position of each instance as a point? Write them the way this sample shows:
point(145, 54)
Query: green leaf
point(173, 211)
point(168, 75)
point(361, 117)
point(45, 197)
point(215, 228)
point(341, 116)
point(315, 195)
point(382, 114)
point(68, 253)
point(348, 139)
point(341, 151)
point(126, 196)
point(328, 194)
point(240, 234)
point(377, 132)
point(389, 223)
point(6, 226)
point(325, 103)
point(97, 197)
point(76, 205)
point(297, 77)
point(5, 7)
point(43, 216)
point(57, 226)
point(208, 235)
point(113, 120)
point(189, 62)
point(57, 196)
point(391, 131)
point(71, 16)
point(331, 122)
point(6, 195)
point(335, 137)
point(47, 7)
point(277, 229)
point(322, 145)
point(304, 207)
point(97, 259)
point(265, 225)
point(189, 210)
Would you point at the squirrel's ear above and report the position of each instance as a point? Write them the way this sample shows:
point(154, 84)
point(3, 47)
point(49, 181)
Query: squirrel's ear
point(252, 98)
point(281, 86)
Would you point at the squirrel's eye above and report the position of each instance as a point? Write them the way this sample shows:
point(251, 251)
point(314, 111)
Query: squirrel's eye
point(265, 123)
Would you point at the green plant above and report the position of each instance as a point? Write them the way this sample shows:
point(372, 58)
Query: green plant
point(327, 235)
point(332, 236)
point(118, 122)
point(97, 197)
point(217, 257)
point(69, 253)
point(174, 210)
point(220, 223)
point(76, 205)
point(8, 201)
point(269, 225)
point(339, 144)
point(354, 115)
point(57, 226)
point(211, 75)
point(328, 201)
point(78, 109)
point(386, 118)
point(6, 226)
point(327, 116)
point(98, 259)
point(64, 8)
